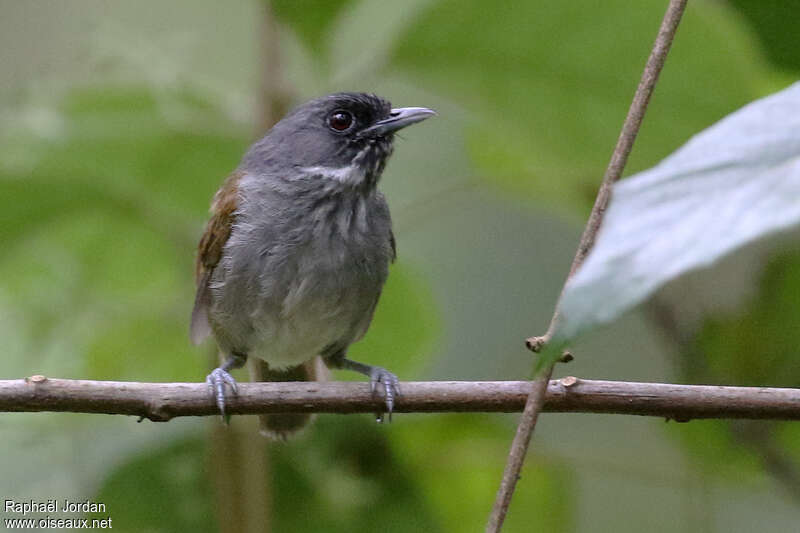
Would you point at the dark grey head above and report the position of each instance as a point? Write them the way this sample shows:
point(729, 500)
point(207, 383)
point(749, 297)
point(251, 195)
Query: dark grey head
point(342, 136)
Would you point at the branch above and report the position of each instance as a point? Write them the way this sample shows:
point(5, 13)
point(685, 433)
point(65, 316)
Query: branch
point(163, 401)
point(630, 128)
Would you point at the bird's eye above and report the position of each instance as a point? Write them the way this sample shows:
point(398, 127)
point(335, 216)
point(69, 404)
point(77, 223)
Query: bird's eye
point(340, 120)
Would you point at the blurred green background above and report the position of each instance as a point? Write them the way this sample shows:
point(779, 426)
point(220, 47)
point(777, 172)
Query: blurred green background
point(118, 120)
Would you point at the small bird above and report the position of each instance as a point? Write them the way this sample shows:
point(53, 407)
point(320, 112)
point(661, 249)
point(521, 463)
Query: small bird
point(293, 260)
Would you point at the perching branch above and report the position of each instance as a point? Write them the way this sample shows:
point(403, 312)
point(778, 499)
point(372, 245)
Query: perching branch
point(164, 401)
point(630, 128)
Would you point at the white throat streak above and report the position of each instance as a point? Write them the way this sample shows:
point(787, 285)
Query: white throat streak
point(351, 174)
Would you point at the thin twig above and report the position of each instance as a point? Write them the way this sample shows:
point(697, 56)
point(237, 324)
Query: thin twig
point(163, 401)
point(630, 128)
point(519, 448)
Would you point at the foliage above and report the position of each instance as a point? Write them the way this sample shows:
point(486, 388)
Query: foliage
point(104, 185)
point(536, 76)
point(730, 185)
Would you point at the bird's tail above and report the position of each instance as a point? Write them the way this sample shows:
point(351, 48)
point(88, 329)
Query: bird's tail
point(284, 425)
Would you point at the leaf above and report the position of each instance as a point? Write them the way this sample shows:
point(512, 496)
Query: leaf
point(757, 346)
point(310, 19)
point(734, 183)
point(768, 19)
point(754, 346)
point(546, 84)
point(161, 488)
point(362, 39)
point(714, 451)
point(114, 200)
point(345, 474)
point(458, 475)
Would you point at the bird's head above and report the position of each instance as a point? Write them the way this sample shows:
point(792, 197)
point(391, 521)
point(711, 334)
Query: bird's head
point(345, 137)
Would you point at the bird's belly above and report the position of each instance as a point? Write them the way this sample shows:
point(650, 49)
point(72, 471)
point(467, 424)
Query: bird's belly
point(287, 343)
point(311, 317)
point(306, 291)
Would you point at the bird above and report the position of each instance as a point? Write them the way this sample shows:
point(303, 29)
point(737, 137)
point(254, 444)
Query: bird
point(294, 257)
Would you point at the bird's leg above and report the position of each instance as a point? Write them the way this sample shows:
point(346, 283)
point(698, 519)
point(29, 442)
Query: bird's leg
point(376, 374)
point(219, 377)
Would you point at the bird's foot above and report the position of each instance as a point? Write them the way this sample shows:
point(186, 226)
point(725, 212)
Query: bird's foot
point(391, 388)
point(376, 374)
point(216, 381)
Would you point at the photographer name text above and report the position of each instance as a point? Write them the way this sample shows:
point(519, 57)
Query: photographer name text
point(53, 506)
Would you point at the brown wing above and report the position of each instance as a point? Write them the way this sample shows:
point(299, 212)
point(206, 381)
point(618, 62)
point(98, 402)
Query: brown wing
point(209, 251)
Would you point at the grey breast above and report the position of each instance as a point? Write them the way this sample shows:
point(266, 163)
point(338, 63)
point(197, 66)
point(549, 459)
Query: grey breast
point(302, 269)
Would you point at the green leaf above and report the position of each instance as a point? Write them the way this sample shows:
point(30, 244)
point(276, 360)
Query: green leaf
point(460, 472)
point(362, 39)
point(344, 475)
point(310, 19)
point(758, 345)
point(750, 346)
point(105, 213)
point(712, 447)
point(730, 185)
point(548, 84)
point(768, 19)
point(160, 489)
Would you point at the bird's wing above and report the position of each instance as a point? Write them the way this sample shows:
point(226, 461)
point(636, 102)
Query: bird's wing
point(209, 251)
point(362, 325)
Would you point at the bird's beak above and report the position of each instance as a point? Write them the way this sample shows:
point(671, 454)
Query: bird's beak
point(399, 118)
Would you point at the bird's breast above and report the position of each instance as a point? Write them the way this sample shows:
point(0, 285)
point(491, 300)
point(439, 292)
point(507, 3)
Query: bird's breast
point(298, 283)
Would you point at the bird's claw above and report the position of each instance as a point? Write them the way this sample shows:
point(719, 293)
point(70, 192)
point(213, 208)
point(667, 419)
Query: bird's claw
point(391, 388)
point(216, 381)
